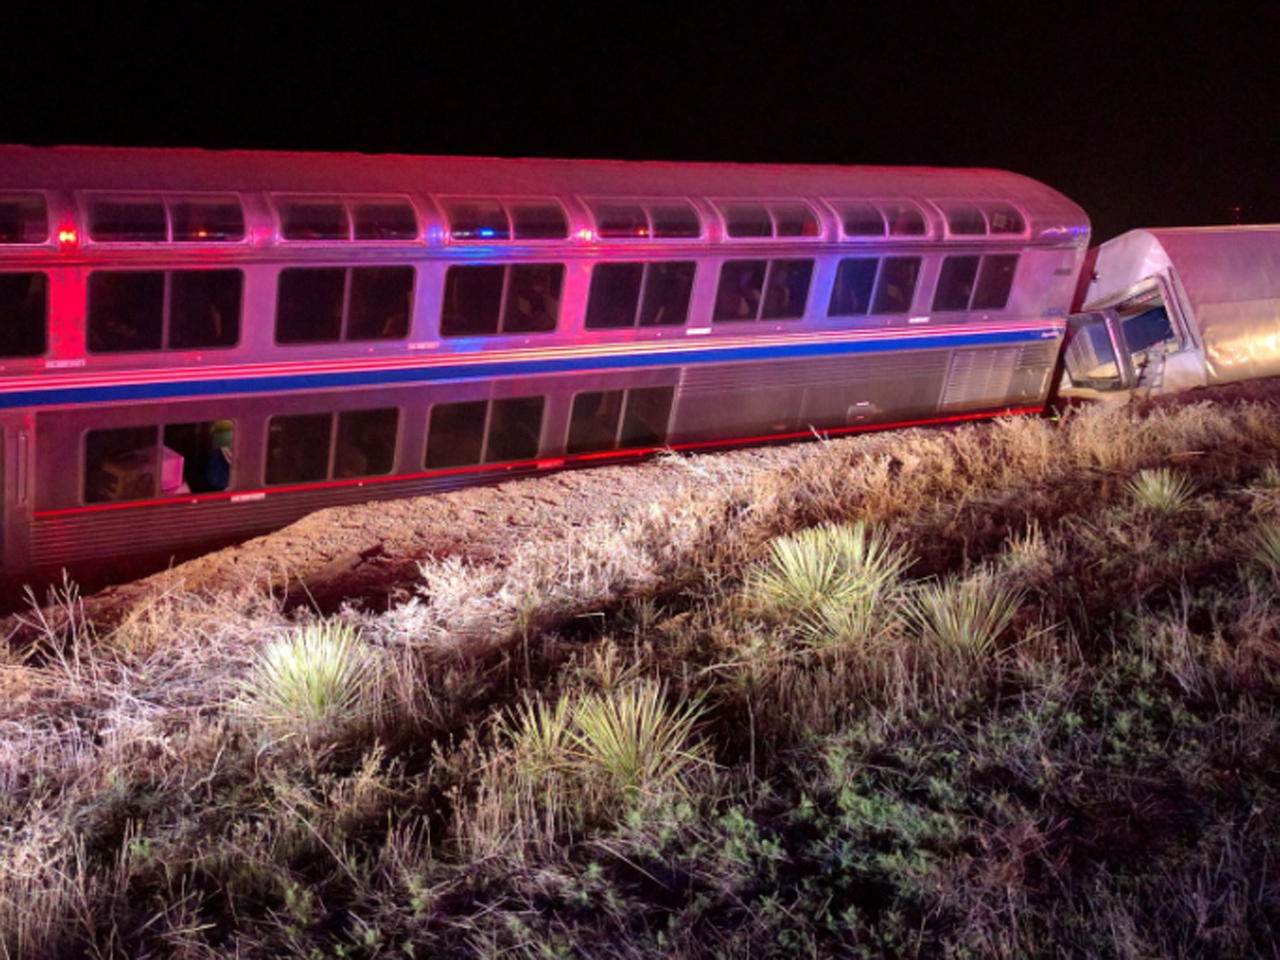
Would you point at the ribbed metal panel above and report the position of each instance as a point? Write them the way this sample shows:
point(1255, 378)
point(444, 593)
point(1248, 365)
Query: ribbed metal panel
point(1002, 377)
point(154, 527)
point(728, 378)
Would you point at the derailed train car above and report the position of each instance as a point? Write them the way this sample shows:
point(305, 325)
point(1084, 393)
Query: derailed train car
point(1167, 310)
point(198, 346)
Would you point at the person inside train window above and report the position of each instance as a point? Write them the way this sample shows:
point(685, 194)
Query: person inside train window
point(533, 298)
point(741, 284)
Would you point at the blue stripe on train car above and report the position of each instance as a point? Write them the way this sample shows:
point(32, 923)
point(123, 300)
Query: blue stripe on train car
point(55, 395)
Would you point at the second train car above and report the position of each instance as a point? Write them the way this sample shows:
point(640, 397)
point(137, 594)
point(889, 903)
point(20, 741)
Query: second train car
point(197, 346)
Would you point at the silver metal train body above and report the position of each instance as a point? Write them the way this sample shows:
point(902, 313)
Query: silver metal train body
point(197, 346)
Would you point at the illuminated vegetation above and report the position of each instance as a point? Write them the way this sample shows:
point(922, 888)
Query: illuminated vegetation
point(1003, 690)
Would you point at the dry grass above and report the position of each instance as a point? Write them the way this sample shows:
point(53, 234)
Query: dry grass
point(730, 725)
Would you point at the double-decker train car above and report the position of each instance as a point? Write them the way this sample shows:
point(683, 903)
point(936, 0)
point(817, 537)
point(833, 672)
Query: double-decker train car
point(198, 346)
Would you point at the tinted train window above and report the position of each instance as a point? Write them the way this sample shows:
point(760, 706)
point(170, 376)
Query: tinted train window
point(1005, 219)
point(533, 297)
point(120, 464)
point(456, 435)
point(629, 220)
point(23, 219)
point(204, 455)
point(616, 294)
point(905, 220)
point(467, 434)
point(748, 220)
point(24, 311)
point(315, 305)
point(787, 289)
point(385, 220)
point(204, 308)
point(139, 463)
point(126, 310)
point(380, 304)
point(619, 419)
point(366, 442)
point(298, 448)
point(995, 281)
point(313, 220)
point(538, 221)
point(490, 299)
point(896, 285)
point(744, 220)
point(780, 287)
point(139, 219)
point(674, 221)
point(861, 220)
point(477, 220)
point(851, 294)
point(515, 429)
point(151, 310)
point(795, 220)
point(955, 283)
point(963, 220)
point(201, 220)
point(667, 290)
point(977, 283)
point(621, 220)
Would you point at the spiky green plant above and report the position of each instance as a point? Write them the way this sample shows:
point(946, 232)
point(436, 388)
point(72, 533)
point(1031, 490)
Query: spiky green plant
point(631, 738)
point(837, 581)
point(539, 734)
point(1161, 490)
point(316, 675)
point(958, 620)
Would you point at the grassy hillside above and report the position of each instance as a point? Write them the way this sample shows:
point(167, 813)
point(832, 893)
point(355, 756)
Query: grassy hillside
point(1006, 690)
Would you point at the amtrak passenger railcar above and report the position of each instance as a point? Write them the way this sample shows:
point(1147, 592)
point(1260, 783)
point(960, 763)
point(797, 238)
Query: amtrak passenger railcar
point(196, 346)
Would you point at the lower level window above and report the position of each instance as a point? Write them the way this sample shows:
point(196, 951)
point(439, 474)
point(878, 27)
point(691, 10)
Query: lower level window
point(320, 446)
point(619, 419)
point(142, 463)
point(484, 431)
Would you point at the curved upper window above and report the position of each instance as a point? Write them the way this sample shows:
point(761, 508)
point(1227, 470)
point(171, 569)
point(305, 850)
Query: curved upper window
point(345, 218)
point(486, 219)
point(156, 218)
point(645, 219)
point(982, 218)
point(894, 218)
point(745, 219)
point(23, 219)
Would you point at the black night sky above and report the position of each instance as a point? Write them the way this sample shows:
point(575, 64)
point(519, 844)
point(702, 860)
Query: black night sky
point(1144, 118)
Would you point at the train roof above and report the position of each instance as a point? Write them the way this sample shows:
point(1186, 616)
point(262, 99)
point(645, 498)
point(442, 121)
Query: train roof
point(25, 168)
point(1214, 264)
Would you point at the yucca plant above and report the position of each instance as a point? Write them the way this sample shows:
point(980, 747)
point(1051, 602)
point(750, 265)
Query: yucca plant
point(959, 621)
point(318, 674)
point(838, 581)
point(634, 741)
point(539, 734)
point(1161, 490)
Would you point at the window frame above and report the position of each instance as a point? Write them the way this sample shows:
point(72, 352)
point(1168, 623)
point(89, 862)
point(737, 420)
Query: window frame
point(166, 309)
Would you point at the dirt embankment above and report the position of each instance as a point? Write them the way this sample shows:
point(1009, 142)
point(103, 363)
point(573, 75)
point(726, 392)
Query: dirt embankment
point(369, 554)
